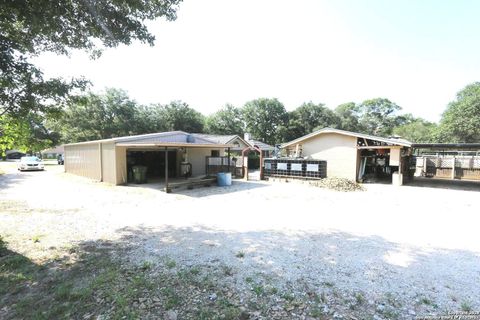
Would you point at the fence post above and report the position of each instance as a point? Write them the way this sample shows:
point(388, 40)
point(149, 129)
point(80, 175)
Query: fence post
point(453, 168)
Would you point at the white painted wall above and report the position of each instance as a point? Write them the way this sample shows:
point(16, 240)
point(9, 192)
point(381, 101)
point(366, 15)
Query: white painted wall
point(197, 157)
point(338, 150)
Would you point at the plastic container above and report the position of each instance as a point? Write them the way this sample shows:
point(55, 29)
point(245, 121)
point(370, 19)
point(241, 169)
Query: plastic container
point(139, 174)
point(397, 179)
point(224, 179)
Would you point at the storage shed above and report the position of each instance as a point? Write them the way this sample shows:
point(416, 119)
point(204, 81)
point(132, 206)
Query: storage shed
point(165, 154)
point(353, 155)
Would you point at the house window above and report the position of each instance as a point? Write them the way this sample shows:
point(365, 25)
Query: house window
point(215, 153)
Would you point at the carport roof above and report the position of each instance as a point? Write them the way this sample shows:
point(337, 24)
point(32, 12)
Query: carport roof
point(172, 138)
point(468, 146)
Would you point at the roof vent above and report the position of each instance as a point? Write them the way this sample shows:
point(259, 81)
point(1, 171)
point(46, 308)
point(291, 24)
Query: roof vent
point(190, 138)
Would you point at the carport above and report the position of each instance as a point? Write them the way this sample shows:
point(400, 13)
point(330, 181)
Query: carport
point(111, 160)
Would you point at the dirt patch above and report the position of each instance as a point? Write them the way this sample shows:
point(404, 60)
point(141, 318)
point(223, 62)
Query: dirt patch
point(256, 250)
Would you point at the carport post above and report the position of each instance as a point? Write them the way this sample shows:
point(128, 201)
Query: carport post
point(167, 189)
point(228, 159)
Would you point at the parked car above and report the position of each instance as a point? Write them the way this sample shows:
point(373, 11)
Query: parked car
point(15, 155)
point(30, 163)
point(61, 159)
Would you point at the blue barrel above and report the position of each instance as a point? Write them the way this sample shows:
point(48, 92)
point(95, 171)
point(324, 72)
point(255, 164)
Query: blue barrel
point(224, 179)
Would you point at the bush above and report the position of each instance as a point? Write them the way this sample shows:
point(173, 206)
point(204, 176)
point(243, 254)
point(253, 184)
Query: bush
point(3, 247)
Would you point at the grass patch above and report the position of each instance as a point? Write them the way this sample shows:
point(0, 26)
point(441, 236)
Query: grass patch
point(36, 238)
point(240, 254)
point(466, 307)
point(426, 301)
point(170, 263)
point(359, 298)
point(258, 289)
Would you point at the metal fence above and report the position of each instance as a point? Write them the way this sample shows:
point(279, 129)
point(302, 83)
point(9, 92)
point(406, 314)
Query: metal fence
point(215, 165)
point(300, 168)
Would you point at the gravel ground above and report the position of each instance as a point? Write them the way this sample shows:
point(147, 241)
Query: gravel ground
point(406, 251)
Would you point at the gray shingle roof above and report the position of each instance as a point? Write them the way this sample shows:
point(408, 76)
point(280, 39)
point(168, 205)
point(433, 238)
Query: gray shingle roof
point(217, 138)
point(261, 145)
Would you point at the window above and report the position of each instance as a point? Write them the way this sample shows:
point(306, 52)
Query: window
point(215, 153)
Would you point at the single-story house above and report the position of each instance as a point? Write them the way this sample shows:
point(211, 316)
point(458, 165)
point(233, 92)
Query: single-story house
point(52, 153)
point(352, 155)
point(165, 154)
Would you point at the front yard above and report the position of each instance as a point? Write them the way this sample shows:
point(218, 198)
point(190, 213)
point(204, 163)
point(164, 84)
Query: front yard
point(72, 248)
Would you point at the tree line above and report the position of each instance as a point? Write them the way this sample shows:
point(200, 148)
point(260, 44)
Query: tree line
point(36, 113)
point(113, 113)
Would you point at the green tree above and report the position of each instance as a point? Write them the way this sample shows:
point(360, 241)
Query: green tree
point(460, 121)
point(177, 115)
point(27, 134)
point(28, 28)
point(264, 119)
point(227, 120)
point(99, 116)
point(377, 116)
point(308, 118)
point(348, 115)
point(418, 131)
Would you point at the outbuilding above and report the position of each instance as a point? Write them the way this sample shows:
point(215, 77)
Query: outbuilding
point(352, 155)
point(167, 154)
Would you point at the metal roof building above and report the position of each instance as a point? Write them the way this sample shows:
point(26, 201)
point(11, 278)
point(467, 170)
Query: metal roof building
point(111, 160)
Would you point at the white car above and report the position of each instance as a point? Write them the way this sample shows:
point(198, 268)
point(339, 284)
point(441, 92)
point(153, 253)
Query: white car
point(30, 163)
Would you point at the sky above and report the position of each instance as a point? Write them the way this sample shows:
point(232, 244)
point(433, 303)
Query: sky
point(418, 54)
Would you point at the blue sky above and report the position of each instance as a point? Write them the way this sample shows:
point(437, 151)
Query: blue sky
point(418, 54)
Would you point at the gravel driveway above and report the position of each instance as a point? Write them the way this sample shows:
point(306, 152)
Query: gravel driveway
point(388, 252)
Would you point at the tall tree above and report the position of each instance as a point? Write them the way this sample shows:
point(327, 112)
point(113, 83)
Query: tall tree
point(100, 116)
point(28, 28)
point(378, 116)
point(417, 130)
point(227, 120)
point(349, 119)
point(460, 121)
point(264, 118)
point(308, 118)
point(177, 115)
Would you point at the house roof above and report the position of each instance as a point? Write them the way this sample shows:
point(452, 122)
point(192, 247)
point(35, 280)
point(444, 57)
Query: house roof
point(261, 145)
point(218, 138)
point(171, 138)
point(468, 146)
point(393, 141)
point(231, 138)
point(57, 149)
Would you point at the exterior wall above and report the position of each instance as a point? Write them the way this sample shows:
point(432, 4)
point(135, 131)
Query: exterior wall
point(338, 150)
point(84, 160)
point(121, 165)
point(108, 163)
point(197, 157)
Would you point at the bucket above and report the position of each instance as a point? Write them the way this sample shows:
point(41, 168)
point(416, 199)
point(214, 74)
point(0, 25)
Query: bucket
point(224, 179)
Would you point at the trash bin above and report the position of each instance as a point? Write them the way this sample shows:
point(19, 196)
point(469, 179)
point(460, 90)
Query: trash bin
point(139, 174)
point(224, 179)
